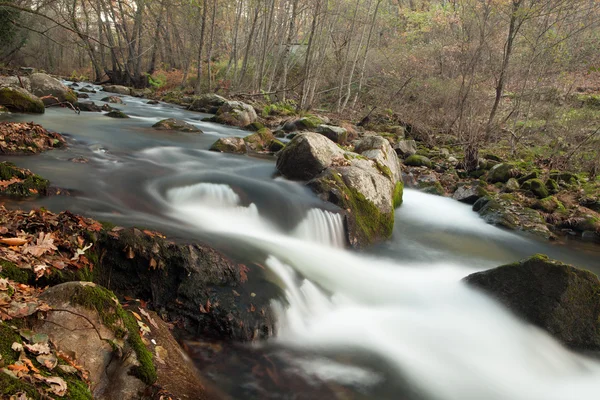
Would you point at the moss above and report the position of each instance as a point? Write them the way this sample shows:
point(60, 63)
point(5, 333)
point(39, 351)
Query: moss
point(309, 122)
point(121, 322)
point(384, 169)
point(549, 205)
point(552, 186)
point(435, 188)
point(31, 186)
point(398, 194)
point(12, 272)
point(276, 145)
point(9, 170)
point(535, 186)
point(20, 100)
point(418, 161)
point(107, 225)
point(7, 338)
point(10, 386)
point(255, 126)
point(117, 114)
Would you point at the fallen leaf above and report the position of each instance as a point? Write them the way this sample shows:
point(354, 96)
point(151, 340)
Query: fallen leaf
point(144, 329)
point(136, 315)
point(148, 317)
point(48, 360)
point(13, 241)
point(38, 348)
point(80, 252)
point(58, 386)
point(44, 244)
point(17, 347)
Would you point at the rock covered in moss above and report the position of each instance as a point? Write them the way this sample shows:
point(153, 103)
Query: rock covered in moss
point(124, 90)
point(17, 99)
point(333, 133)
point(549, 205)
point(552, 186)
point(43, 85)
point(261, 141)
point(566, 178)
point(172, 124)
point(19, 182)
point(307, 155)
point(379, 150)
point(417, 160)
point(501, 173)
point(117, 114)
point(234, 145)
point(536, 187)
point(559, 298)
point(306, 123)
point(235, 113)
point(112, 99)
point(512, 185)
point(208, 103)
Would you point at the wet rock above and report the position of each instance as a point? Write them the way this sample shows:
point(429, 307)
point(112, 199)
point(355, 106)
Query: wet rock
point(208, 103)
point(79, 160)
point(536, 187)
point(43, 85)
point(307, 155)
point(429, 183)
point(469, 193)
point(559, 298)
point(333, 133)
point(124, 90)
point(236, 113)
point(87, 106)
point(108, 108)
point(86, 320)
point(310, 122)
point(113, 99)
point(117, 114)
point(17, 99)
point(418, 161)
point(172, 124)
point(501, 173)
point(153, 102)
point(262, 140)
point(196, 287)
point(86, 90)
point(234, 145)
point(83, 96)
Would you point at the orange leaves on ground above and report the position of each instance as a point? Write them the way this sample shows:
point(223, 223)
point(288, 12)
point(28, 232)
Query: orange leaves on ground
point(243, 272)
point(13, 241)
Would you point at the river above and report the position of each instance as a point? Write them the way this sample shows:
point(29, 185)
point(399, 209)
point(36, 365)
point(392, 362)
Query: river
point(393, 322)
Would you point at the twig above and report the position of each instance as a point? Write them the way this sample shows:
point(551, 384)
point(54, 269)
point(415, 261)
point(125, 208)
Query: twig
point(59, 103)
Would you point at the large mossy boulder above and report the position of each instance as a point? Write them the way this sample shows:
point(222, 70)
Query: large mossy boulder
point(17, 99)
point(535, 187)
point(366, 186)
point(172, 124)
point(307, 123)
point(417, 160)
point(334, 133)
point(208, 103)
point(307, 155)
point(235, 113)
point(124, 90)
point(501, 173)
point(263, 140)
point(559, 298)
point(234, 145)
point(43, 85)
point(114, 113)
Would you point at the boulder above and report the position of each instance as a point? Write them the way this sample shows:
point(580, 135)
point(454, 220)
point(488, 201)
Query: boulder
point(334, 133)
point(86, 90)
point(172, 124)
point(117, 114)
point(406, 148)
point(113, 99)
point(235, 113)
point(307, 155)
point(89, 324)
point(153, 102)
point(87, 106)
point(417, 160)
point(208, 103)
point(469, 193)
point(124, 90)
point(536, 187)
point(234, 145)
point(512, 185)
point(559, 298)
point(501, 173)
point(20, 100)
point(44, 85)
point(379, 150)
point(262, 140)
point(307, 123)
point(83, 96)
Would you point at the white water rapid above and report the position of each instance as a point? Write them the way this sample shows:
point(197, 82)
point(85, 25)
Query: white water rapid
point(448, 341)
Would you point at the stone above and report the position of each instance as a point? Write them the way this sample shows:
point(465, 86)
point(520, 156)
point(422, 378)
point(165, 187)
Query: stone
point(307, 123)
point(307, 155)
point(501, 173)
point(406, 148)
point(208, 103)
point(536, 187)
point(236, 113)
point(234, 145)
point(112, 99)
point(333, 133)
point(83, 96)
point(117, 114)
point(469, 193)
point(86, 90)
point(87, 106)
point(260, 140)
point(17, 99)
point(559, 298)
point(417, 160)
point(171, 124)
point(124, 90)
point(153, 102)
point(43, 85)
point(512, 185)
point(379, 150)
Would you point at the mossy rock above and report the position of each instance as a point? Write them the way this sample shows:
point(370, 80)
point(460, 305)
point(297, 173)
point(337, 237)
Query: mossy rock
point(434, 188)
point(255, 126)
point(567, 178)
point(30, 184)
point(559, 298)
point(12, 272)
point(549, 205)
point(512, 185)
point(276, 145)
point(306, 123)
point(20, 100)
point(259, 140)
point(502, 173)
point(172, 124)
point(230, 145)
point(552, 186)
point(117, 114)
point(525, 178)
point(536, 187)
point(417, 160)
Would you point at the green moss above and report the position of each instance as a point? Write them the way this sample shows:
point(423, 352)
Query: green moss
point(537, 187)
point(550, 204)
point(12, 272)
point(7, 338)
point(117, 114)
point(384, 169)
point(398, 194)
point(10, 386)
point(418, 161)
point(121, 322)
point(107, 225)
point(552, 186)
point(309, 122)
point(255, 126)
point(276, 145)
point(20, 100)
point(33, 185)
point(9, 170)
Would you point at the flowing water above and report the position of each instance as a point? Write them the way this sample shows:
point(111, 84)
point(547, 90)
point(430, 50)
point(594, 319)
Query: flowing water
point(394, 322)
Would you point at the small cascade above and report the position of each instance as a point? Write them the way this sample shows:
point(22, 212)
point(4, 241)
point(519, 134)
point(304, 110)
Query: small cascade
point(324, 227)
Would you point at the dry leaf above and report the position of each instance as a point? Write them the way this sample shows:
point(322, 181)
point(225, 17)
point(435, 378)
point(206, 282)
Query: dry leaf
point(58, 386)
point(38, 348)
point(150, 319)
point(13, 241)
point(136, 315)
point(44, 243)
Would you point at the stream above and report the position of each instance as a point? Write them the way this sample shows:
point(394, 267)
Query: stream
point(393, 322)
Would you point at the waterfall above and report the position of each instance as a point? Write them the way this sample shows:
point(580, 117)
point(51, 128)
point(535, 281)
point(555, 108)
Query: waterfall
point(322, 227)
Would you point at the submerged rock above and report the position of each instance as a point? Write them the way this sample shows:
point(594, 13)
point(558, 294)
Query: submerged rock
point(172, 124)
point(20, 100)
point(235, 113)
point(116, 114)
point(559, 298)
point(234, 145)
